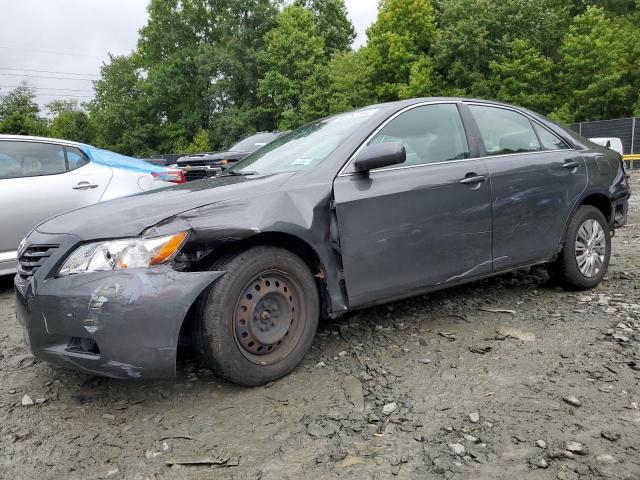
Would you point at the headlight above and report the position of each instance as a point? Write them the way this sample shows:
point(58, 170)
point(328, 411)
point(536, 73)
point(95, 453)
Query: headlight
point(123, 254)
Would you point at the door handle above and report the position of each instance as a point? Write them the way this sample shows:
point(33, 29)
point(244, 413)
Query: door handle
point(570, 164)
point(84, 186)
point(473, 179)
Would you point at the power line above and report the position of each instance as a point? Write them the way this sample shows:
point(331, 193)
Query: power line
point(50, 71)
point(50, 88)
point(56, 95)
point(47, 77)
point(51, 52)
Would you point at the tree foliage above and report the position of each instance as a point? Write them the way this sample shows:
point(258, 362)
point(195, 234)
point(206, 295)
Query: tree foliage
point(70, 122)
point(332, 24)
point(293, 50)
point(121, 111)
point(207, 72)
point(401, 37)
point(523, 76)
point(595, 69)
point(19, 112)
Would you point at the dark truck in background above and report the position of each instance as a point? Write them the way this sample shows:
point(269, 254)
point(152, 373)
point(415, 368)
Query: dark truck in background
point(202, 165)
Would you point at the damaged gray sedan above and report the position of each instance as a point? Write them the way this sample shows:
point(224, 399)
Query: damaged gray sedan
point(353, 210)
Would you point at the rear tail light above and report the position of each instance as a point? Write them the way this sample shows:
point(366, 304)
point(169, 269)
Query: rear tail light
point(173, 176)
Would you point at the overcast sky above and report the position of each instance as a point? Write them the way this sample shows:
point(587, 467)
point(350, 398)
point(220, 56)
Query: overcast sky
point(59, 45)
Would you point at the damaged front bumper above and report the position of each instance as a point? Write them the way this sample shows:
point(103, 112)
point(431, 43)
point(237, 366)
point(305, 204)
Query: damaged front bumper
point(121, 323)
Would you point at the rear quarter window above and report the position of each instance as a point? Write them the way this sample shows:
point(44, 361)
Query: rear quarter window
point(548, 140)
point(76, 158)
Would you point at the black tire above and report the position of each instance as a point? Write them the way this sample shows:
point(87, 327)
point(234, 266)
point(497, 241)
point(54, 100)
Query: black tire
point(565, 270)
point(239, 329)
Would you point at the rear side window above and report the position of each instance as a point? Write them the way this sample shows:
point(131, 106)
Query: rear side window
point(30, 159)
point(430, 134)
point(548, 140)
point(504, 131)
point(76, 158)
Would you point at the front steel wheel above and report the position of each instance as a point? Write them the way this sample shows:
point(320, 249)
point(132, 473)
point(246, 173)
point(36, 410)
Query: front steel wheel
point(257, 321)
point(584, 259)
point(266, 324)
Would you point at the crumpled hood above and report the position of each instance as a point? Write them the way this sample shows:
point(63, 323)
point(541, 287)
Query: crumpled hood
point(130, 216)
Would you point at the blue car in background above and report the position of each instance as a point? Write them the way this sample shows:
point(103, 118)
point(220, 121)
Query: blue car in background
point(43, 177)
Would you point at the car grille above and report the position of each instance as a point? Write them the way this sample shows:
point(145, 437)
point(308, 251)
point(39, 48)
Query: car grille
point(196, 171)
point(33, 258)
point(190, 175)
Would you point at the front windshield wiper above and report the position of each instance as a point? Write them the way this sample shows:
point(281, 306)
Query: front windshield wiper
point(241, 173)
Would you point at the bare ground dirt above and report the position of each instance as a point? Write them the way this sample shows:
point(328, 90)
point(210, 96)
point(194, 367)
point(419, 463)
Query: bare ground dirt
point(435, 387)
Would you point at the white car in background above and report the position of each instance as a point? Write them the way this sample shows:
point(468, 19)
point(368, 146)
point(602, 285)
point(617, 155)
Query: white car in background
point(43, 177)
point(612, 143)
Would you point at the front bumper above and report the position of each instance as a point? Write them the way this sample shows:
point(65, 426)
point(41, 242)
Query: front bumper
point(121, 324)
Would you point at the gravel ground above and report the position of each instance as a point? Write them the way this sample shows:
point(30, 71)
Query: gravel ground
point(504, 378)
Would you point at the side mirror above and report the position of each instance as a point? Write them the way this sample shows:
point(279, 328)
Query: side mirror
point(380, 155)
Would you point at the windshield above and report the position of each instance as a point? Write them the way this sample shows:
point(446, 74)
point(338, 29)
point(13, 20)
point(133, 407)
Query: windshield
point(304, 147)
point(253, 143)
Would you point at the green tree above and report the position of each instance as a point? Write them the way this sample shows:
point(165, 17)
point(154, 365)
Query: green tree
point(69, 122)
point(56, 107)
point(121, 113)
point(594, 69)
point(199, 144)
point(524, 77)
point(201, 59)
point(616, 7)
point(293, 59)
point(19, 100)
point(403, 33)
point(349, 86)
point(474, 33)
point(17, 123)
point(332, 24)
point(19, 112)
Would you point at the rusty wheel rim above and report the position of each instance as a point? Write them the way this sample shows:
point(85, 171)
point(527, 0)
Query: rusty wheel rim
point(268, 318)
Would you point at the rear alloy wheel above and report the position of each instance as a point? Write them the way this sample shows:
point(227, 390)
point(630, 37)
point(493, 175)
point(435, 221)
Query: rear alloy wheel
point(259, 319)
point(590, 248)
point(584, 259)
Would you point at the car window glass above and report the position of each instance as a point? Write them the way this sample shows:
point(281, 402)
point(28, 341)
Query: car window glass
point(548, 140)
point(430, 134)
point(254, 142)
point(305, 147)
point(75, 158)
point(30, 159)
point(504, 131)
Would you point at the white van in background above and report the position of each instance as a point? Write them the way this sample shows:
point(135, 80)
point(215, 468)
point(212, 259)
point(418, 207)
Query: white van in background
point(613, 143)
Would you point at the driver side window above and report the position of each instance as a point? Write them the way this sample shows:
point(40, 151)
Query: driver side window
point(430, 134)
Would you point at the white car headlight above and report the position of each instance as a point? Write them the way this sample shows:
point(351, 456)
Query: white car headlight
point(122, 254)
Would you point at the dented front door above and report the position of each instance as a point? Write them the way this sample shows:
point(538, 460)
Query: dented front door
point(405, 230)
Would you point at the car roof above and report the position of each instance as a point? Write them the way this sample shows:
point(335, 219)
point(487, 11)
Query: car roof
point(30, 138)
point(406, 103)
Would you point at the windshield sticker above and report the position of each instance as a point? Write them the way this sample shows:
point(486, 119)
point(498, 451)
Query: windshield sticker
point(302, 161)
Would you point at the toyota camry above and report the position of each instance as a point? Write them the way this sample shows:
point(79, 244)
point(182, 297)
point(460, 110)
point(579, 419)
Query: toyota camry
point(349, 211)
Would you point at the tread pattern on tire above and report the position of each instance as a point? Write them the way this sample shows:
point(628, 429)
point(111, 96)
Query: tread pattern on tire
point(210, 339)
point(564, 270)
